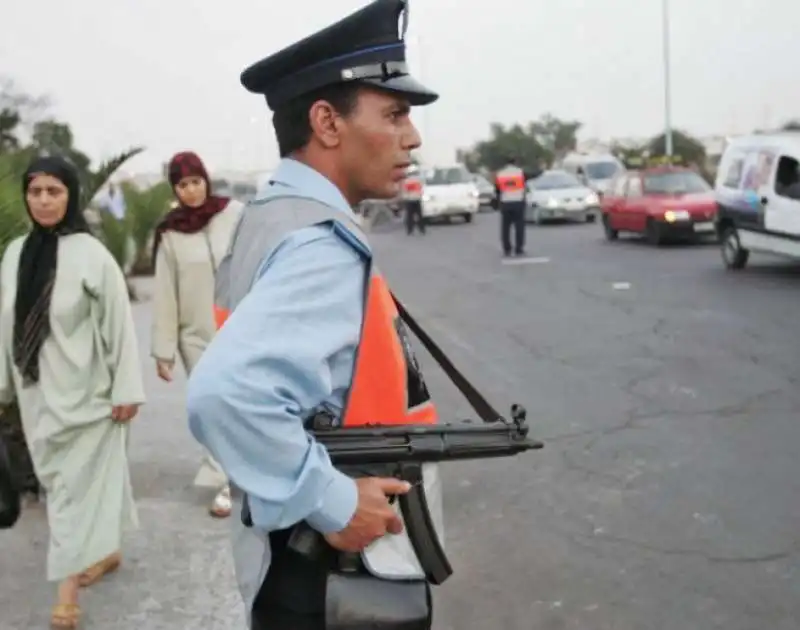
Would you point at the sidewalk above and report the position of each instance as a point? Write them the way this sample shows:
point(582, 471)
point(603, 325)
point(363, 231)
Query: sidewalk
point(177, 571)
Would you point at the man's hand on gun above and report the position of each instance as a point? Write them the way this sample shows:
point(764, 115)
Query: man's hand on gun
point(374, 516)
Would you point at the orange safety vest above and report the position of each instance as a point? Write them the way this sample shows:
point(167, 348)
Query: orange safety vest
point(387, 386)
point(412, 188)
point(511, 182)
point(220, 316)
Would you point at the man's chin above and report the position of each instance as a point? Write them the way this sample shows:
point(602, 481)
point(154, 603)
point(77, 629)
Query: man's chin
point(388, 192)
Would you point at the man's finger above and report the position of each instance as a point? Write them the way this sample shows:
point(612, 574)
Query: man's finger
point(394, 525)
point(390, 485)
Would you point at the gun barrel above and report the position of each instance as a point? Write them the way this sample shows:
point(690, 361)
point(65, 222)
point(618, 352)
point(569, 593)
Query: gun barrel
point(423, 444)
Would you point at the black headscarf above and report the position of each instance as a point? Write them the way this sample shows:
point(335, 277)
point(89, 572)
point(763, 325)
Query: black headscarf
point(37, 266)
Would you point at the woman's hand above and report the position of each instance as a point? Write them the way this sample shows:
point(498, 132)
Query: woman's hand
point(164, 369)
point(124, 413)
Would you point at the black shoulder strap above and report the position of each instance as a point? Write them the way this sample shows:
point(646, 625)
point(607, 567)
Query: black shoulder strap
point(481, 406)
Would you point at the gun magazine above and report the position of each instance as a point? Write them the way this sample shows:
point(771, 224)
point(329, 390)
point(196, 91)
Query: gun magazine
point(422, 532)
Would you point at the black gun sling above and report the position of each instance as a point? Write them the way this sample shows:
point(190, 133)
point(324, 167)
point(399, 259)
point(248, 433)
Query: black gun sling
point(300, 594)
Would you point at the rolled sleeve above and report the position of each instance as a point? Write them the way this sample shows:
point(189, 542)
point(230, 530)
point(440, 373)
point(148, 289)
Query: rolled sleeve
point(338, 505)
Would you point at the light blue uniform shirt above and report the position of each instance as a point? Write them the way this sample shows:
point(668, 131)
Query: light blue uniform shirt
point(287, 349)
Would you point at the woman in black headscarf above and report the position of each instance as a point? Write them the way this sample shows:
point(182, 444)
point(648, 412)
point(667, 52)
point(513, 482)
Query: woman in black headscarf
point(70, 358)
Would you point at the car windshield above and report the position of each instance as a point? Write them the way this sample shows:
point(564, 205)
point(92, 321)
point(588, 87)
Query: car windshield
point(600, 170)
point(675, 183)
point(444, 176)
point(555, 181)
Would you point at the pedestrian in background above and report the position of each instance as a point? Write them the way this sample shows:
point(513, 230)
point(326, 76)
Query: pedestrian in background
point(70, 358)
point(510, 190)
point(189, 243)
point(412, 203)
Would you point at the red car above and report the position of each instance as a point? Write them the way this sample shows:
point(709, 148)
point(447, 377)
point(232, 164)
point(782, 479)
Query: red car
point(666, 202)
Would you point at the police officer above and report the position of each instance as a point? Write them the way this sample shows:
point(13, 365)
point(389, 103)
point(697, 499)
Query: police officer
point(311, 326)
point(510, 190)
point(412, 202)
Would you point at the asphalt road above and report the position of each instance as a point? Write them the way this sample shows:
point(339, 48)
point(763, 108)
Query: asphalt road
point(667, 496)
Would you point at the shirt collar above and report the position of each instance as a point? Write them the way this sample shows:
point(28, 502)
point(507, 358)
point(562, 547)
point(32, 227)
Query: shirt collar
point(310, 182)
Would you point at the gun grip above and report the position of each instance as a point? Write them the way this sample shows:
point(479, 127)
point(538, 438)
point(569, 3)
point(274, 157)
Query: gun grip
point(306, 541)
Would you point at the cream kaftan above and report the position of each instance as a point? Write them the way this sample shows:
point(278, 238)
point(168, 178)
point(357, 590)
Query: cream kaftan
point(183, 302)
point(89, 363)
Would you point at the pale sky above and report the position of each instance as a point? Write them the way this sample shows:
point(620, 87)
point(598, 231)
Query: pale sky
point(165, 73)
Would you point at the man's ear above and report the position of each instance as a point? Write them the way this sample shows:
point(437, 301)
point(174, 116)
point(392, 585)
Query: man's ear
point(325, 124)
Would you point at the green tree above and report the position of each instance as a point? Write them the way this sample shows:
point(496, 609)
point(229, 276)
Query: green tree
point(687, 149)
point(557, 136)
point(535, 144)
point(9, 123)
point(144, 210)
point(492, 154)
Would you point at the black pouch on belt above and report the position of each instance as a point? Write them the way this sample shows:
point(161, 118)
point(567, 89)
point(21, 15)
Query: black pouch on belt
point(357, 600)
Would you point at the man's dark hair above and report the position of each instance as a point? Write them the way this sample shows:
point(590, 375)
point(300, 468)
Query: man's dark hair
point(291, 123)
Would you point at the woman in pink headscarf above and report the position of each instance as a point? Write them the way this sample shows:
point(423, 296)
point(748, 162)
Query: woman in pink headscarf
point(189, 245)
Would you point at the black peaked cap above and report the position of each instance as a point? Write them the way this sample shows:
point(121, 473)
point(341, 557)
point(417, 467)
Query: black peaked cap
point(367, 46)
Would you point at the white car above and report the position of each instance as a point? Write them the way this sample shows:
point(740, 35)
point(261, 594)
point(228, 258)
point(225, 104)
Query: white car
point(450, 191)
point(558, 195)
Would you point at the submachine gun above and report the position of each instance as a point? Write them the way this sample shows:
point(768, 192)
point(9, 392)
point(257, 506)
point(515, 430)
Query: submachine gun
point(401, 451)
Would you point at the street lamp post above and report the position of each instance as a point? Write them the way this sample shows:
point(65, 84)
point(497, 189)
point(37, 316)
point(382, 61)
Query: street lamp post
point(667, 79)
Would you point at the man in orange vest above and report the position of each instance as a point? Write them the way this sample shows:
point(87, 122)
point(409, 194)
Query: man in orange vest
point(510, 189)
point(412, 202)
point(308, 324)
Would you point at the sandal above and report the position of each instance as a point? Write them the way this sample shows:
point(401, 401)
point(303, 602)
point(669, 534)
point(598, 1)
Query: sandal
point(65, 616)
point(95, 572)
point(222, 505)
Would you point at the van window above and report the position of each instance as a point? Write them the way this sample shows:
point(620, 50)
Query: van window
point(600, 170)
point(733, 176)
point(787, 178)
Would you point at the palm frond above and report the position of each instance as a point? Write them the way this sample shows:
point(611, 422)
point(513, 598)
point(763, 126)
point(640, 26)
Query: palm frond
point(98, 178)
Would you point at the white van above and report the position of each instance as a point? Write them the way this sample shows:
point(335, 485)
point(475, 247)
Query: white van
point(594, 170)
point(758, 197)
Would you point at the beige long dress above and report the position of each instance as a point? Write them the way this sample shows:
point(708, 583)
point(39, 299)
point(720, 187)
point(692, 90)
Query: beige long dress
point(183, 303)
point(88, 364)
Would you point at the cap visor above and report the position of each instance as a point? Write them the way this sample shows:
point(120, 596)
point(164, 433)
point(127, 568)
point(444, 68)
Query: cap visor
point(416, 93)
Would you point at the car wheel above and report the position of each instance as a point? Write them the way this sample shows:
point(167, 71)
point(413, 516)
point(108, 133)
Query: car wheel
point(467, 217)
point(591, 217)
point(733, 254)
point(653, 234)
point(611, 233)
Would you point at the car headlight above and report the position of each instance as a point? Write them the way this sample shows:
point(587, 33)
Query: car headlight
point(427, 197)
point(552, 203)
point(670, 216)
point(592, 199)
point(475, 193)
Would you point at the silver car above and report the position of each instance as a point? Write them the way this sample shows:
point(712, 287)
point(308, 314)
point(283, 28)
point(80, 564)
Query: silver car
point(560, 196)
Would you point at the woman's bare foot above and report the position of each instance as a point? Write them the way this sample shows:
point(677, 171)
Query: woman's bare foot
point(222, 504)
point(95, 572)
point(66, 614)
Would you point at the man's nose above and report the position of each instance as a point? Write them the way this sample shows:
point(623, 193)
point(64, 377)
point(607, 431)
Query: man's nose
point(412, 139)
